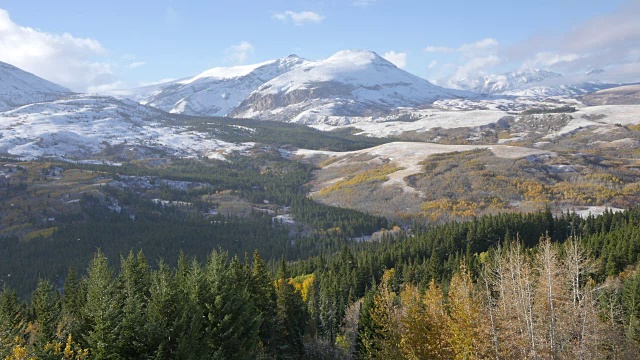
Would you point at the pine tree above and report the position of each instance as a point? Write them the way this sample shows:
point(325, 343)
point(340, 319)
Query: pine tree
point(47, 312)
point(133, 297)
point(12, 322)
point(233, 322)
point(73, 299)
point(290, 317)
point(365, 343)
point(162, 314)
point(191, 323)
point(263, 295)
point(101, 310)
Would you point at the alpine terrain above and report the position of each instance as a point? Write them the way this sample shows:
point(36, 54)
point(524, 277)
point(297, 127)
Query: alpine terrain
point(351, 83)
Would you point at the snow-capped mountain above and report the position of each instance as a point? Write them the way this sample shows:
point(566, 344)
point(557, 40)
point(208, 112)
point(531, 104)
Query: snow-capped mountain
point(527, 83)
point(18, 87)
point(349, 83)
point(214, 92)
point(87, 126)
point(507, 82)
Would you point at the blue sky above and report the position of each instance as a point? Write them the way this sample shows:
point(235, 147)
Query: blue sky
point(99, 45)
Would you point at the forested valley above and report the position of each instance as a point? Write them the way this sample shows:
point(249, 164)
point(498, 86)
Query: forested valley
point(229, 259)
point(506, 286)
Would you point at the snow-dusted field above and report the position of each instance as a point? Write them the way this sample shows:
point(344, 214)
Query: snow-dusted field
point(427, 119)
point(600, 116)
point(408, 156)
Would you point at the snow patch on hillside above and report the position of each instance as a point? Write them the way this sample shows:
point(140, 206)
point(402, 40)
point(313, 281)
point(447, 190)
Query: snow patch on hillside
point(82, 126)
point(421, 121)
point(409, 155)
point(18, 87)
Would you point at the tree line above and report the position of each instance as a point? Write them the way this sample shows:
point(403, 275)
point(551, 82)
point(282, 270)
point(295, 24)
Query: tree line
point(506, 286)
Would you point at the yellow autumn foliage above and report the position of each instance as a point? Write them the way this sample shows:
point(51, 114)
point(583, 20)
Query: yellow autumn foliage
point(435, 209)
point(368, 176)
point(303, 284)
point(40, 234)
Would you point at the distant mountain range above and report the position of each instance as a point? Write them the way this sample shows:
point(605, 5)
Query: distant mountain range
point(530, 83)
point(40, 118)
point(349, 83)
point(215, 92)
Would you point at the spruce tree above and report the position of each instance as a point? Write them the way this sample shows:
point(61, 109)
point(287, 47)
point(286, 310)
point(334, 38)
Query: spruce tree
point(47, 311)
point(133, 284)
point(101, 310)
point(263, 294)
point(290, 317)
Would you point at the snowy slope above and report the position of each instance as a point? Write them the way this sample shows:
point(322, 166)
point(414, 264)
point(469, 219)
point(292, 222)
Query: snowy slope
point(527, 83)
point(84, 127)
point(620, 95)
point(18, 87)
point(349, 83)
point(214, 92)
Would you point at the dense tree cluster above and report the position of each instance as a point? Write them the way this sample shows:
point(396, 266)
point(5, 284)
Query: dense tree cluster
point(493, 287)
point(165, 231)
point(224, 309)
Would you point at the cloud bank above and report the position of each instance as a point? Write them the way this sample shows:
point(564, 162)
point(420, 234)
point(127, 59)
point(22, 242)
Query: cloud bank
point(610, 42)
point(299, 18)
point(76, 63)
point(398, 59)
point(239, 53)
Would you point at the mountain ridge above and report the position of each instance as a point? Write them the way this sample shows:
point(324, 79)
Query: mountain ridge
point(347, 83)
point(19, 87)
point(529, 83)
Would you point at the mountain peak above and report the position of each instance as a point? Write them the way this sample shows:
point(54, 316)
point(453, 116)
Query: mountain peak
point(350, 82)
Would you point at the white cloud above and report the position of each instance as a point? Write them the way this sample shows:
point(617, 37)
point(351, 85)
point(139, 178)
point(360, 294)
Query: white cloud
point(472, 59)
point(548, 59)
point(609, 41)
point(481, 45)
point(135, 64)
point(161, 81)
point(239, 53)
point(364, 2)
point(620, 28)
point(299, 18)
point(399, 59)
point(62, 58)
point(475, 66)
point(101, 89)
point(439, 49)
